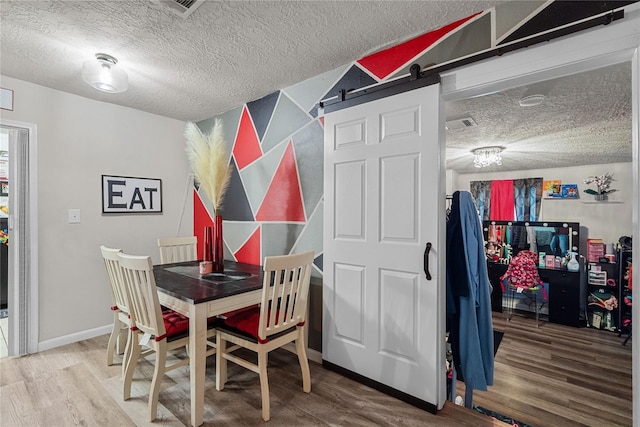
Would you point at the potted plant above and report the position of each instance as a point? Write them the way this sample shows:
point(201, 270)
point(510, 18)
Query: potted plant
point(602, 183)
point(209, 162)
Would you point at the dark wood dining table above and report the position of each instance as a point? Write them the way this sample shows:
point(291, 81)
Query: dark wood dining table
point(183, 289)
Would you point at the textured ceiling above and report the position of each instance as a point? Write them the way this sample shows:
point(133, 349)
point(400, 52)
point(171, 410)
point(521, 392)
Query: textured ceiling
point(584, 119)
point(226, 53)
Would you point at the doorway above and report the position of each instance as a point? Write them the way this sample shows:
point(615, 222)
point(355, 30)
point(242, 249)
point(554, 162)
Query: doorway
point(472, 83)
point(4, 241)
point(528, 134)
point(19, 207)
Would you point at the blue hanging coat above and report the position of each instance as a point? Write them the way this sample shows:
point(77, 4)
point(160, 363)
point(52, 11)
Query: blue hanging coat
point(469, 295)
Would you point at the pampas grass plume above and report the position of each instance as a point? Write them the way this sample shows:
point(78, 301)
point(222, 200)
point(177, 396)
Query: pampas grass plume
point(209, 160)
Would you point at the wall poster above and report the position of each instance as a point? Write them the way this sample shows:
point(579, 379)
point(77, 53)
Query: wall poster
point(124, 194)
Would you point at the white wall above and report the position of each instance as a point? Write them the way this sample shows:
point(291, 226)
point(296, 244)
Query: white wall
point(79, 140)
point(605, 220)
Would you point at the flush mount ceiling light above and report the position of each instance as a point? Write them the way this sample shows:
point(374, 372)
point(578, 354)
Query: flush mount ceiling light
point(486, 156)
point(104, 74)
point(531, 100)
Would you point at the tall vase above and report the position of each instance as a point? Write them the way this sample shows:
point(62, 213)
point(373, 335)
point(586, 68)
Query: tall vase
point(208, 248)
point(217, 255)
point(205, 264)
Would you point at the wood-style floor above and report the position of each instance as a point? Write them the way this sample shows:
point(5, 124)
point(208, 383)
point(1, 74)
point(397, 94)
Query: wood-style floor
point(551, 376)
point(558, 375)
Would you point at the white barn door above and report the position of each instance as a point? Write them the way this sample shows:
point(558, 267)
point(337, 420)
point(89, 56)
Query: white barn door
point(384, 196)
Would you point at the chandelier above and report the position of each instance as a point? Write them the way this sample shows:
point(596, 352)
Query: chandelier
point(486, 156)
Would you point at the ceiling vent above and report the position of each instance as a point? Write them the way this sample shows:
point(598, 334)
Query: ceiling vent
point(465, 122)
point(182, 8)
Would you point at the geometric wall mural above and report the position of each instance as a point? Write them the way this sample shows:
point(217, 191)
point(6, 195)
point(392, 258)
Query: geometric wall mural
point(384, 63)
point(249, 252)
point(276, 182)
point(274, 204)
point(283, 200)
point(247, 147)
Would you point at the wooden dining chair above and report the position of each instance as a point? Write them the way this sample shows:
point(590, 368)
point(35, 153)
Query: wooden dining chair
point(279, 320)
point(161, 330)
point(178, 249)
point(120, 307)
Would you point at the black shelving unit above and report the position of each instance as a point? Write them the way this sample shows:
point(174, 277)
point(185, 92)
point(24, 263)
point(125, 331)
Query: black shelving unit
point(603, 282)
point(624, 262)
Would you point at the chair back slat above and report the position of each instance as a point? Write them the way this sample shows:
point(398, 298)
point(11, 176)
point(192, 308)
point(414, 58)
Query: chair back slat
point(118, 290)
point(146, 313)
point(285, 291)
point(178, 249)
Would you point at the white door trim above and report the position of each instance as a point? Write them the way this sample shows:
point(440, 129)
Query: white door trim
point(23, 334)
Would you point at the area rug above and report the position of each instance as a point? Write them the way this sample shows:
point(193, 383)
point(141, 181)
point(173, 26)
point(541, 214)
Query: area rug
point(500, 417)
point(497, 339)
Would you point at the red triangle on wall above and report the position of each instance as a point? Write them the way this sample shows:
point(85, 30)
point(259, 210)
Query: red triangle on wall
point(201, 219)
point(283, 201)
point(249, 253)
point(247, 147)
point(385, 62)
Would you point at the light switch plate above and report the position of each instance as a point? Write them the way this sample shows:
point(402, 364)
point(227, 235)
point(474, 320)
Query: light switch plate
point(74, 216)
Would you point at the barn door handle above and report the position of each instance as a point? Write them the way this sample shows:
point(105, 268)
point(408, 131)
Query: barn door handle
point(426, 261)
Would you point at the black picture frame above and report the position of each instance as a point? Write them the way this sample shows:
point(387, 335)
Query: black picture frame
point(131, 195)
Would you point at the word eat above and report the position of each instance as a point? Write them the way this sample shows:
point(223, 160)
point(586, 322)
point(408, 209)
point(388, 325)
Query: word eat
point(131, 195)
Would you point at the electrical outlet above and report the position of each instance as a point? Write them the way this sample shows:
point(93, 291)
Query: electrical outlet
point(74, 216)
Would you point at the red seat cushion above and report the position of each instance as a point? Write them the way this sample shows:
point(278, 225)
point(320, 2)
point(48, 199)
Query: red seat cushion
point(177, 324)
point(246, 321)
point(240, 310)
point(174, 323)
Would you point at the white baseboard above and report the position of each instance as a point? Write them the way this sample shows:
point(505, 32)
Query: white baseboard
point(75, 337)
point(314, 355)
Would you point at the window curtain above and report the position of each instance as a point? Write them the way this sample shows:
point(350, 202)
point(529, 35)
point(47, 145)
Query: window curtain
point(527, 195)
point(481, 192)
point(524, 200)
point(502, 200)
